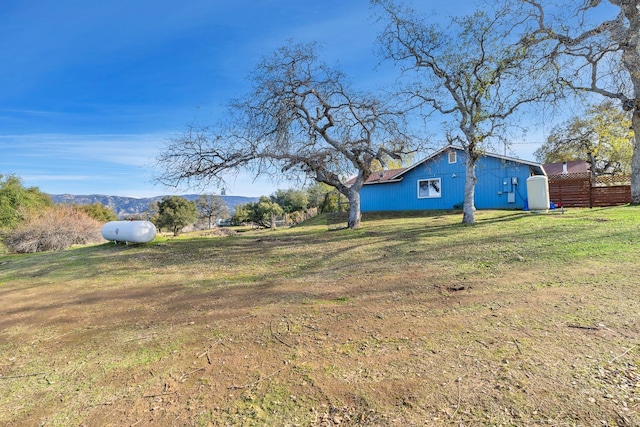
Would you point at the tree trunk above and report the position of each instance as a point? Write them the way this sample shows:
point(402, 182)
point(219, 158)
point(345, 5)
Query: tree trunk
point(627, 39)
point(354, 210)
point(469, 207)
point(635, 159)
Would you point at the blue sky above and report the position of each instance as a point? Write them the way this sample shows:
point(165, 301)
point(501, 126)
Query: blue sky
point(90, 90)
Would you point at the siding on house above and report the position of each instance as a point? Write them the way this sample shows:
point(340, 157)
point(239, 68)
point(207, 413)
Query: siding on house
point(495, 182)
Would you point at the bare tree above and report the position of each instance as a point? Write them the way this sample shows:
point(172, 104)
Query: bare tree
point(301, 119)
point(602, 57)
point(212, 207)
point(476, 73)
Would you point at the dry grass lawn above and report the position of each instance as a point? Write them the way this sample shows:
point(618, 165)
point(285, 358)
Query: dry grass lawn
point(520, 319)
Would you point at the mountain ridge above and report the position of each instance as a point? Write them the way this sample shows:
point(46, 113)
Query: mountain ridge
point(130, 206)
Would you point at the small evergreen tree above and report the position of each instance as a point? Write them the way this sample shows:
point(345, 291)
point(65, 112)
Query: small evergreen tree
point(291, 200)
point(240, 214)
point(175, 213)
point(261, 213)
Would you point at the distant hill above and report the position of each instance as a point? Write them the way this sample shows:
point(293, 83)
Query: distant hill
point(124, 206)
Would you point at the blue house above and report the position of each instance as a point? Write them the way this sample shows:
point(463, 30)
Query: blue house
point(437, 182)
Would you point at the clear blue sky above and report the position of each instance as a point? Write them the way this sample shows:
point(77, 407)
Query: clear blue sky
point(90, 90)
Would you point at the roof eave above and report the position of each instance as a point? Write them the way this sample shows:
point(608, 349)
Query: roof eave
point(384, 182)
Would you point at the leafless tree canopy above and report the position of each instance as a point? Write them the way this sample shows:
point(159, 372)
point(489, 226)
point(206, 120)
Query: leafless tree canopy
point(300, 119)
point(211, 207)
point(477, 72)
point(601, 55)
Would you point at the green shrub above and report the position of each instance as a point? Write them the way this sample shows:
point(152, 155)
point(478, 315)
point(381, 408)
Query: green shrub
point(18, 202)
point(175, 213)
point(99, 212)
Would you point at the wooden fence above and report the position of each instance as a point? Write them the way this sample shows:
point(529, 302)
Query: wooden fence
point(583, 191)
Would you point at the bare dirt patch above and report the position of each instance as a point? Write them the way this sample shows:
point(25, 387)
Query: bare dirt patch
point(415, 324)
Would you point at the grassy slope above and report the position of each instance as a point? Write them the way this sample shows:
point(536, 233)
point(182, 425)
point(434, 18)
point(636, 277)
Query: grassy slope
point(414, 319)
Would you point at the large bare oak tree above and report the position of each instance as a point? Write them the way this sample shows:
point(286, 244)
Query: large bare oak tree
point(301, 119)
point(600, 55)
point(476, 72)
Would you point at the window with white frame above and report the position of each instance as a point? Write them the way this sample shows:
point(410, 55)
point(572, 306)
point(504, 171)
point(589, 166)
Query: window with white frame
point(452, 157)
point(429, 188)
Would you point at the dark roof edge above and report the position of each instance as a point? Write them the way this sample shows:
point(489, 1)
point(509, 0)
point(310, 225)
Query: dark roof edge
point(383, 182)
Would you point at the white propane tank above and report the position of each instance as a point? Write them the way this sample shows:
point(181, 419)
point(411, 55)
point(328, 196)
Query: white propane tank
point(129, 231)
point(538, 193)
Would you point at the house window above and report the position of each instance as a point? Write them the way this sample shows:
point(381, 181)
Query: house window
point(452, 157)
point(429, 188)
